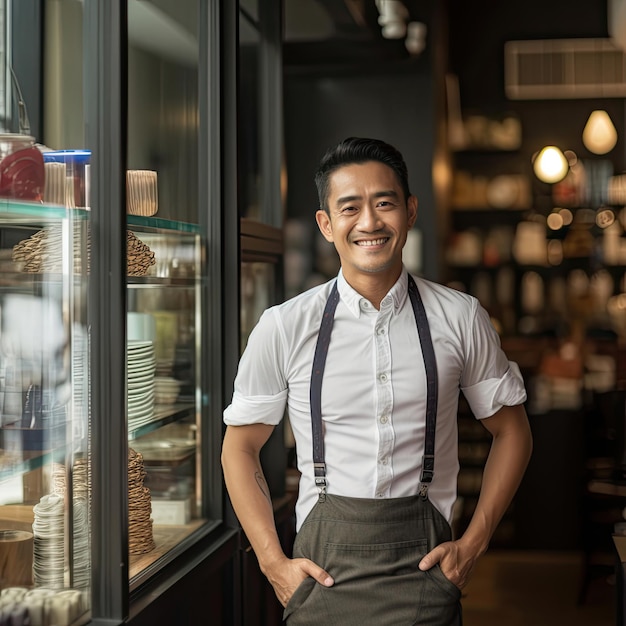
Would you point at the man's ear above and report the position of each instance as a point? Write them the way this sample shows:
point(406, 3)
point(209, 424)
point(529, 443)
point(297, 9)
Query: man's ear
point(323, 221)
point(412, 210)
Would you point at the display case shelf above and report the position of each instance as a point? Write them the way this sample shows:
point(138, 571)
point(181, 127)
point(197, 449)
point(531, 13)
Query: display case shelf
point(163, 415)
point(138, 282)
point(17, 464)
point(161, 225)
point(14, 212)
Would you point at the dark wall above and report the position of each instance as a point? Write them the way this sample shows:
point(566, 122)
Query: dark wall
point(478, 32)
point(401, 106)
point(397, 108)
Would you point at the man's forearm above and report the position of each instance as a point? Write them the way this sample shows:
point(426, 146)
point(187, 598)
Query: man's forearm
point(251, 501)
point(503, 472)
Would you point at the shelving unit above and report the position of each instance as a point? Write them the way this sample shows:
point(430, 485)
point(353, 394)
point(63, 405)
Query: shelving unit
point(535, 323)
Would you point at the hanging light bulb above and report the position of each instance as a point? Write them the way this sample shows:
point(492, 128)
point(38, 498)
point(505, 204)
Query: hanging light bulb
point(599, 134)
point(393, 18)
point(550, 165)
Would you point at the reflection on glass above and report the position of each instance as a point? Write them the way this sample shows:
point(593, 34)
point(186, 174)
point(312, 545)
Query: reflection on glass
point(163, 374)
point(163, 101)
point(257, 294)
point(44, 454)
point(164, 313)
point(249, 41)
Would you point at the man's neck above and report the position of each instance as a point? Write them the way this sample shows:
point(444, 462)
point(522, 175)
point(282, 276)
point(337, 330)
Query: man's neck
point(374, 287)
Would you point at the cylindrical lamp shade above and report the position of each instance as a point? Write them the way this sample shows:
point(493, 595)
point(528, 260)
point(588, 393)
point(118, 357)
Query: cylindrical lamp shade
point(550, 165)
point(599, 134)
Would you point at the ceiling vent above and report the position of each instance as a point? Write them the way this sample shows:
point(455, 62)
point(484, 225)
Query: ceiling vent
point(551, 69)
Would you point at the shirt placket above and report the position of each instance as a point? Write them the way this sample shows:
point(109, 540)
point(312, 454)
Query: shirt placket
point(384, 400)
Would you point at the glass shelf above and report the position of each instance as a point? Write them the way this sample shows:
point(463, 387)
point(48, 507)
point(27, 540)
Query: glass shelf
point(162, 415)
point(138, 282)
point(17, 463)
point(14, 212)
point(160, 224)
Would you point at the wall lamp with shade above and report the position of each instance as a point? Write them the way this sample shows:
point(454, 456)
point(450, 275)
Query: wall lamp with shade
point(550, 165)
point(599, 134)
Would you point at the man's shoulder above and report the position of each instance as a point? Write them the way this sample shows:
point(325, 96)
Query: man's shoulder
point(442, 295)
point(306, 302)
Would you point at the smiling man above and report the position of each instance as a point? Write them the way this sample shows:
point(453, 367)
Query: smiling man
point(369, 367)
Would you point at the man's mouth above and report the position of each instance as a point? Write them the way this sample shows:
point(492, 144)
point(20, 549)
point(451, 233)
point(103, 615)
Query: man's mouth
point(372, 242)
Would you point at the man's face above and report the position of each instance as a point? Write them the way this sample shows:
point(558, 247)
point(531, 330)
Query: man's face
point(368, 219)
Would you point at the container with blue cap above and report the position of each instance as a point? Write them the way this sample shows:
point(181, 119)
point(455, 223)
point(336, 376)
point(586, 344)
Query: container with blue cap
point(76, 170)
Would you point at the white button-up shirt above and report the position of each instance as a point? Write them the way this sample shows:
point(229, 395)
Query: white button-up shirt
point(374, 386)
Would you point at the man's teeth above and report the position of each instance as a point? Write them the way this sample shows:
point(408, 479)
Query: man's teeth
point(372, 242)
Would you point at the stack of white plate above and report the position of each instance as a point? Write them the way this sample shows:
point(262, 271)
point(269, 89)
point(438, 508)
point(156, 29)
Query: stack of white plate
point(166, 390)
point(80, 384)
point(82, 555)
point(49, 542)
point(140, 382)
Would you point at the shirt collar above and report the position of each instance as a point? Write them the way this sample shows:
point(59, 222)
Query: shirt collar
point(352, 299)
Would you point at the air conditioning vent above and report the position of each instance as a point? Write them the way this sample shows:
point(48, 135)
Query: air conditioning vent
point(550, 69)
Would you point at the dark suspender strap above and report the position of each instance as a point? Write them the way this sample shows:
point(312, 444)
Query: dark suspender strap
point(432, 387)
point(317, 374)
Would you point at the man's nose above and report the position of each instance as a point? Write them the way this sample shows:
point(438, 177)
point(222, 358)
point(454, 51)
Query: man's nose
point(370, 219)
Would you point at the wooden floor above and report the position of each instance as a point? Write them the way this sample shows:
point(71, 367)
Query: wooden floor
point(525, 588)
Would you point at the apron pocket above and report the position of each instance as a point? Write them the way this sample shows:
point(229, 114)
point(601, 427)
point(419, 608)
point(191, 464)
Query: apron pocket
point(440, 578)
point(374, 583)
point(300, 596)
point(345, 562)
point(382, 584)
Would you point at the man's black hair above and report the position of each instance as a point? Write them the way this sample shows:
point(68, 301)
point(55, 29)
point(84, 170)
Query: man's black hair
point(359, 150)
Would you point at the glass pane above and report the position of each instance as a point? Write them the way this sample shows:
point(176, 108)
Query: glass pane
point(163, 392)
point(163, 108)
point(249, 136)
point(164, 318)
point(44, 418)
point(258, 292)
point(45, 523)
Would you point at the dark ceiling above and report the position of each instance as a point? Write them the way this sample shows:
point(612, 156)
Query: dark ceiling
point(333, 35)
point(342, 33)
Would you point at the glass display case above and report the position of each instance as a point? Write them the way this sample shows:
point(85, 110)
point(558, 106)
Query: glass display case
point(45, 494)
point(166, 311)
point(118, 340)
point(164, 395)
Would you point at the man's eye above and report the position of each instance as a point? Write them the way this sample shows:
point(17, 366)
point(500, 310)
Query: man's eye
point(348, 209)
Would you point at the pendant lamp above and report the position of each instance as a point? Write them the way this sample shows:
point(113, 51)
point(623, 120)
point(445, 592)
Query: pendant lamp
point(550, 165)
point(599, 134)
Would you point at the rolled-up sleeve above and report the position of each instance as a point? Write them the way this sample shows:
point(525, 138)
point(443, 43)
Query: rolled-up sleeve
point(489, 396)
point(489, 381)
point(260, 389)
point(255, 409)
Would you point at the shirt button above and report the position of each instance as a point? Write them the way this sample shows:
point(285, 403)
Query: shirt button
point(381, 331)
point(383, 378)
point(384, 461)
point(379, 495)
point(384, 419)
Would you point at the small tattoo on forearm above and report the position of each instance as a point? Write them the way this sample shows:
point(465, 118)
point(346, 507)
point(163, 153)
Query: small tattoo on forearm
point(262, 484)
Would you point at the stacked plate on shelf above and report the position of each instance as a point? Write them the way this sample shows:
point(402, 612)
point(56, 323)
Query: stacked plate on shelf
point(49, 542)
point(140, 382)
point(81, 554)
point(80, 384)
